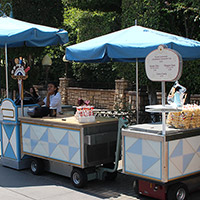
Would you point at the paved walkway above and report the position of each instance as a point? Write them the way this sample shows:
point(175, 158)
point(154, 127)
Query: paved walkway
point(22, 185)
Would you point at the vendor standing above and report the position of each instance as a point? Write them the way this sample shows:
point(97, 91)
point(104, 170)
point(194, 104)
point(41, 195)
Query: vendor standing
point(53, 98)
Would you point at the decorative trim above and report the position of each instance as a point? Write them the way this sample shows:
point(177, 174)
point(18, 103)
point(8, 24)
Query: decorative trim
point(52, 125)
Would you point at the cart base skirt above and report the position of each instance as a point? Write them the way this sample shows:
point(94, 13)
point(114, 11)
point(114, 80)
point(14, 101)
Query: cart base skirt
point(22, 164)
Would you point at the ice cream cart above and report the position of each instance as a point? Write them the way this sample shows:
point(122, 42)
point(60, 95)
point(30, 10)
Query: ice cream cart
point(164, 160)
point(59, 144)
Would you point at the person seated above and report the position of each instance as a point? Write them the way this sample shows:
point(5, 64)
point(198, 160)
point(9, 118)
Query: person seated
point(30, 97)
point(53, 98)
point(32, 93)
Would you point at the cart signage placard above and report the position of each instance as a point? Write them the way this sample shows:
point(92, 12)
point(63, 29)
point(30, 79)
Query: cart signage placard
point(163, 64)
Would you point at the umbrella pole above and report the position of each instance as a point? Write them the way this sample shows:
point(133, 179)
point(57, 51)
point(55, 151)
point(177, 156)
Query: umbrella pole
point(137, 96)
point(163, 105)
point(6, 60)
point(21, 94)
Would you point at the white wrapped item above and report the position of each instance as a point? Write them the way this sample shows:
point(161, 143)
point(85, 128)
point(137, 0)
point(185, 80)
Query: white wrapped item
point(85, 114)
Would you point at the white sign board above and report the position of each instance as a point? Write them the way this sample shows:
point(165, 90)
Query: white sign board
point(163, 64)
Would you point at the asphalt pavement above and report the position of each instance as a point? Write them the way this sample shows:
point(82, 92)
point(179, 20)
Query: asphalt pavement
point(23, 185)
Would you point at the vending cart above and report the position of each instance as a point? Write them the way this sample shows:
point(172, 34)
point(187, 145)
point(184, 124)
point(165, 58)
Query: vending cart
point(164, 157)
point(164, 164)
point(60, 144)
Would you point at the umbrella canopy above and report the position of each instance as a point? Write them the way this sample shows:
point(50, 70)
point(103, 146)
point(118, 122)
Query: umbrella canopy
point(128, 44)
point(16, 33)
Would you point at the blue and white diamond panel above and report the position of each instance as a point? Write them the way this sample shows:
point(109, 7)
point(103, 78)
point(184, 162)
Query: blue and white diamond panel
point(184, 157)
point(56, 143)
point(143, 157)
point(9, 141)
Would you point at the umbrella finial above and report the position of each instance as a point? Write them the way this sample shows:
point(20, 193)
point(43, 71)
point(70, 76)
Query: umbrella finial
point(135, 22)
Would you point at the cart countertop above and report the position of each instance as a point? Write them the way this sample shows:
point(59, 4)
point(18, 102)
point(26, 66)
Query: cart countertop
point(152, 128)
point(63, 120)
point(156, 130)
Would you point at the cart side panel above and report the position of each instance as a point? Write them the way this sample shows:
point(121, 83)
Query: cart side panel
point(184, 157)
point(100, 143)
point(62, 144)
point(10, 131)
point(10, 137)
point(142, 157)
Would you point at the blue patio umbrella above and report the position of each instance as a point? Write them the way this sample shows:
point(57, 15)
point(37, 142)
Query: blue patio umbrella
point(132, 44)
point(128, 44)
point(16, 33)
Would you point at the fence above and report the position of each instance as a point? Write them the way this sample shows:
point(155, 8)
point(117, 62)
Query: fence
point(109, 99)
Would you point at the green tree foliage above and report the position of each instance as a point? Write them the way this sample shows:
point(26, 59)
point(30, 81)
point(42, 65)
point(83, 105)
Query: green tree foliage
point(45, 12)
point(146, 12)
point(84, 25)
point(95, 75)
point(94, 24)
point(183, 18)
point(100, 5)
point(72, 17)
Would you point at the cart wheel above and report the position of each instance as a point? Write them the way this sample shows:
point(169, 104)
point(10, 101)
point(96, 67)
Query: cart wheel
point(136, 186)
point(177, 191)
point(110, 176)
point(78, 177)
point(37, 166)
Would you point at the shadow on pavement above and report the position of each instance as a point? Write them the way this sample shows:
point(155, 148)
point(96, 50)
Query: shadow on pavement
point(121, 188)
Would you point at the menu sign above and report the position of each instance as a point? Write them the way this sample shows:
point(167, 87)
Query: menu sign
point(163, 64)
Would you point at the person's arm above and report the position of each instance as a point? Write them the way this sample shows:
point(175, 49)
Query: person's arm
point(48, 100)
point(42, 102)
